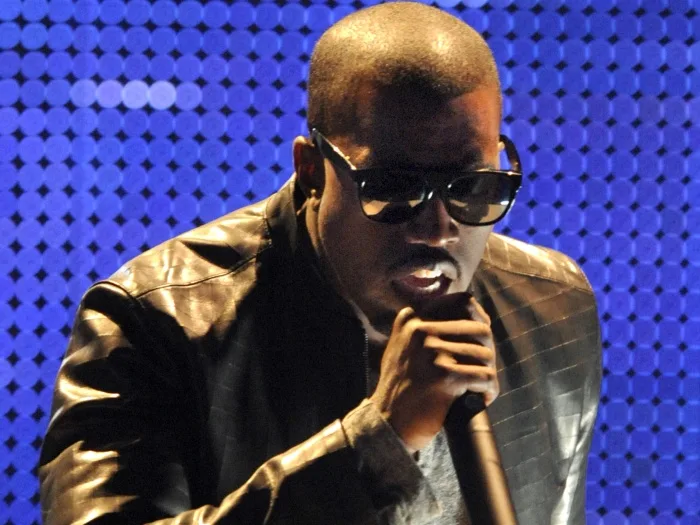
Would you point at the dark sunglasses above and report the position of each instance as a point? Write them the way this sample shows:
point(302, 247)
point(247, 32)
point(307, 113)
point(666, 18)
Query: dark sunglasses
point(474, 197)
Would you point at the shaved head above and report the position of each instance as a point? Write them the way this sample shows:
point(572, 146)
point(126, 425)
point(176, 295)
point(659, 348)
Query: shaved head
point(394, 48)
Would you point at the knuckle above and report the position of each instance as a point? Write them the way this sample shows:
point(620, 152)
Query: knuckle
point(486, 330)
point(491, 356)
point(414, 325)
point(487, 355)
point(405, 315)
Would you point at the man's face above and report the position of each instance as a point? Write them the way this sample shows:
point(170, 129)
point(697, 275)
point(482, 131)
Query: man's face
point(381, 268)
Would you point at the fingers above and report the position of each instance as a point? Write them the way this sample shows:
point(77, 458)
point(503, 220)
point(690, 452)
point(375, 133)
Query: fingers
point(465, 353)
point(404, 316)
point(462, 378)
point(473, 375)
point(461, 348)
point(459, 330)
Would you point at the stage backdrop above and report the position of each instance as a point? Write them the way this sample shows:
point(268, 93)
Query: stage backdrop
point(123, 123)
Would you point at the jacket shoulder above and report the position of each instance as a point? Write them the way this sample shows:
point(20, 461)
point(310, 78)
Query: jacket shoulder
point(212, 250)
point(517, 257)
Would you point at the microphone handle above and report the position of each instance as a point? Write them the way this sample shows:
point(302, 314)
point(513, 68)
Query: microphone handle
point(478, 463)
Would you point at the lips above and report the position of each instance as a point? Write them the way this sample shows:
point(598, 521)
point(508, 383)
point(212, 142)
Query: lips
point(420, 284)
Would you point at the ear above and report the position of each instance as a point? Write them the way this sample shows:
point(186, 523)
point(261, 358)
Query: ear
point(308, 165)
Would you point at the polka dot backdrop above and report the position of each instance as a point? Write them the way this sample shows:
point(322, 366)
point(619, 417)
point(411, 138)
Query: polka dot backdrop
point(124, 123)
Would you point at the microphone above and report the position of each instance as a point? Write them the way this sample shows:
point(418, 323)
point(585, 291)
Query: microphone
point(478, 462)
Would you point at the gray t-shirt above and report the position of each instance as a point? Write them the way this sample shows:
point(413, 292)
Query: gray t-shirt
point(424, 491)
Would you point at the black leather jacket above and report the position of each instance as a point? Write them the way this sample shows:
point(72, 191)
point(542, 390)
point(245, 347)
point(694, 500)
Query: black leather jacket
point(205, 357)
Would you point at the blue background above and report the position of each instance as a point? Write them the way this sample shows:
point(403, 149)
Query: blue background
point(124, 123)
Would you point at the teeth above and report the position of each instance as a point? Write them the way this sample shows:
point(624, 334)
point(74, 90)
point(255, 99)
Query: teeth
point(422, 282)
point(432, 288)
point(426, 274)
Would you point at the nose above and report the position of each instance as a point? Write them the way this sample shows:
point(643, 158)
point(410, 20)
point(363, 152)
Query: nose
point(433, 226)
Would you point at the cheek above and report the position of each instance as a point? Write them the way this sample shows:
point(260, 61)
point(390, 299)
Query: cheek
point(355, 246)
point(340, 224)
point(471, 247)
point(478, 237)
point(338, 212)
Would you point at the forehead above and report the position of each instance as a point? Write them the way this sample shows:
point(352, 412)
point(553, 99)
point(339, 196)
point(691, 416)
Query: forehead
point(408, 128)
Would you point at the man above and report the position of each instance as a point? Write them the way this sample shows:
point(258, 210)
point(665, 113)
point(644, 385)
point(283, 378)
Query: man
point(294, 361)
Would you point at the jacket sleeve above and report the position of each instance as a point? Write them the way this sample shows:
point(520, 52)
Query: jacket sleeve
point(571, 507)
point(113, 451)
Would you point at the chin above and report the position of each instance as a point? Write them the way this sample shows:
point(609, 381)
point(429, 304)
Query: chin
point(381, 311)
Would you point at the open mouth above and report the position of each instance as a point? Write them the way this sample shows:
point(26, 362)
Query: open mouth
point(422, 284)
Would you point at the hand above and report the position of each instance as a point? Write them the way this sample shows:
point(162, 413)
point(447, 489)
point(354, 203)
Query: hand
point(433, 357)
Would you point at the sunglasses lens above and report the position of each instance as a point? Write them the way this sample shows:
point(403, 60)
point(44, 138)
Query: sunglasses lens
point(480, 199)
point(391, 196)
